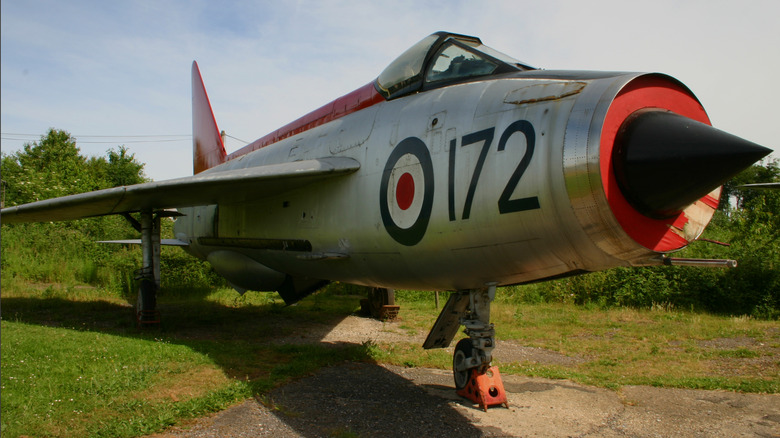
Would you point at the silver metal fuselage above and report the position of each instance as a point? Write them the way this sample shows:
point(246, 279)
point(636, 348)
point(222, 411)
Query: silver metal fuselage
point(472, 237)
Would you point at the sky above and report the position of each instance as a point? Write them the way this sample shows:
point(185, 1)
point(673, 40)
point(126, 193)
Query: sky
point(117, 72)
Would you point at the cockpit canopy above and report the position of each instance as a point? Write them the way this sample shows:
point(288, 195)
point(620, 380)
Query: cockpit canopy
point(443, 59)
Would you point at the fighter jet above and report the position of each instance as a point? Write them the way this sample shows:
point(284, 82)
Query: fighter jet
point(459, 168)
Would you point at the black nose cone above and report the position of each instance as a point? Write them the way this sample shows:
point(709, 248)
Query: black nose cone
point(664, 162)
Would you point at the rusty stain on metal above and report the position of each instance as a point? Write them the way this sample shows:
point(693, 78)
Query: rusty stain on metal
point(560, 91)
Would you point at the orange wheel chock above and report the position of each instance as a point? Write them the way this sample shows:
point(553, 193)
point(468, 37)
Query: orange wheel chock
point(485, 389)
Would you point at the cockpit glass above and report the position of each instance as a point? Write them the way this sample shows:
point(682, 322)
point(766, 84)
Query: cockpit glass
point(503, 57)
point(440, 60)
point(455, 62)
point(407, 68)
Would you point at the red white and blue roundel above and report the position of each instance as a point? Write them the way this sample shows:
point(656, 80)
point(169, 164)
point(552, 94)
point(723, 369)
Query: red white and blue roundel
point(406, 192)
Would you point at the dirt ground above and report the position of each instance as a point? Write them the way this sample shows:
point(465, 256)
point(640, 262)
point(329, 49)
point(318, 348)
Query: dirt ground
point(370, 400)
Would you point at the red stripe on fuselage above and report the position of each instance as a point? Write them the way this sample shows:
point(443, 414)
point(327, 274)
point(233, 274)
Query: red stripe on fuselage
point(357, 100)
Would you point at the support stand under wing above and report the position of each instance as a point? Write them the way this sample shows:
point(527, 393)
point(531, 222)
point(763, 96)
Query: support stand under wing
point(475, 379)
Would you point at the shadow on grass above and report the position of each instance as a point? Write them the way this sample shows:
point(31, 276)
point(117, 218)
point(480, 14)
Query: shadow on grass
point(268, 345)
point(230, 335)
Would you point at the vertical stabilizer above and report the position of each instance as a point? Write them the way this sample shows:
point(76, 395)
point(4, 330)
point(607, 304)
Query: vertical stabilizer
point(207, 147)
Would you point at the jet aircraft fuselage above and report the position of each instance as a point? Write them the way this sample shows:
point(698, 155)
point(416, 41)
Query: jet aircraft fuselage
point(484, 178)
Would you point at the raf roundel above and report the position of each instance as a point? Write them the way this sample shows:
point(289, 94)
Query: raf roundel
point(406, 191)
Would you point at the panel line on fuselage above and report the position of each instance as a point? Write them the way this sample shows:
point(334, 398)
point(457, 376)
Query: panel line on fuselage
point(299, 245)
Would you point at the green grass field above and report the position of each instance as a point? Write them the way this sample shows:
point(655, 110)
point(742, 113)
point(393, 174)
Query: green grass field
point(74, 363)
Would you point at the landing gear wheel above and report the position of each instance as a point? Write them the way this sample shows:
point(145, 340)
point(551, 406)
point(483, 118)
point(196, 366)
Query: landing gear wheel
point(380, 304)
point(463, 350)
point(146, 295)
point(146, 306)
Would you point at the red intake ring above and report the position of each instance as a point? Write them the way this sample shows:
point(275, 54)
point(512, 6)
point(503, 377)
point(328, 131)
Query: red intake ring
point(646, 92)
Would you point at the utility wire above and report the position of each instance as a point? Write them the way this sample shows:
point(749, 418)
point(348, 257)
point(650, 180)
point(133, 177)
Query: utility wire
point(117, 141)
point(103, 136)
point(149, 138)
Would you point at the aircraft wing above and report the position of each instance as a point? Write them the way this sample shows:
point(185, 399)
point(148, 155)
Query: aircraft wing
point(774, 186)
point(163, 242)
point(202, 189)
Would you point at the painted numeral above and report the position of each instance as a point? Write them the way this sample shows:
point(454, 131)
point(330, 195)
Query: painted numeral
point(485, 136)
point(505, 203)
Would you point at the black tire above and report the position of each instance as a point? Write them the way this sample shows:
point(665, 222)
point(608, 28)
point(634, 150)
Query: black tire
point(463, 351)
point(147, 299)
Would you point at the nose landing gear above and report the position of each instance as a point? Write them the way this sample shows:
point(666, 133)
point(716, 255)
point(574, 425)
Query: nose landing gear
point(475, 379)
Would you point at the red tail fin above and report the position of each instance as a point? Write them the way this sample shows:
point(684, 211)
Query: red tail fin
point(207, 147)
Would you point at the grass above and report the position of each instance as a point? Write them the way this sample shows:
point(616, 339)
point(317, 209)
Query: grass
point(65, 381)
point(74, 364)
point(611, 347)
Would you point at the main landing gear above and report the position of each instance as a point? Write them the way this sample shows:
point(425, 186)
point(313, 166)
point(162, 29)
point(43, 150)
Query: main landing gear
point(475, 379)
point(148, 277)
point(380, 304)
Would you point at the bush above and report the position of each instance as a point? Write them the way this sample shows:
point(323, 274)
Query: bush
point(68, 252)
point(752, 228)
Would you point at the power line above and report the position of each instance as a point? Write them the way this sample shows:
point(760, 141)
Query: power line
point(103, 136)
point(132, 141)
point(150, 138)
point(110, 139)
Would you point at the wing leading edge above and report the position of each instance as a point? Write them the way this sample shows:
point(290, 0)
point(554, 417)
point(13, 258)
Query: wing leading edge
point(202, 189)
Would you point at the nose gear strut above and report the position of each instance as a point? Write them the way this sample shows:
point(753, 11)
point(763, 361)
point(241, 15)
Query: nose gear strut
point(475, 379)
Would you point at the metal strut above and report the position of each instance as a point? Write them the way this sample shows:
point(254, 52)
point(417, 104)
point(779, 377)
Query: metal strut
point(149, 275)
point(479, 329)
point(470, 308)
point(475, 379)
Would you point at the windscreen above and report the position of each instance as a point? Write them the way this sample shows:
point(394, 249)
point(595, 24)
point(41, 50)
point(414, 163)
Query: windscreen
point(406, 70)
point(454, 62)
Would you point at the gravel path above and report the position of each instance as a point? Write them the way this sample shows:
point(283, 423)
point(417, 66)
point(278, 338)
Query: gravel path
point(358, 330)
point(367, 400)
point(371, 400)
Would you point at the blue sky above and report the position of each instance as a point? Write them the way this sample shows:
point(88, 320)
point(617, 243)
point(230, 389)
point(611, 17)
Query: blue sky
point(118, 72)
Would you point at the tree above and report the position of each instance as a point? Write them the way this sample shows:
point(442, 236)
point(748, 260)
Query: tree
point(54, 167)
point(123, 169)
point(756, 173)
point(45, 169)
